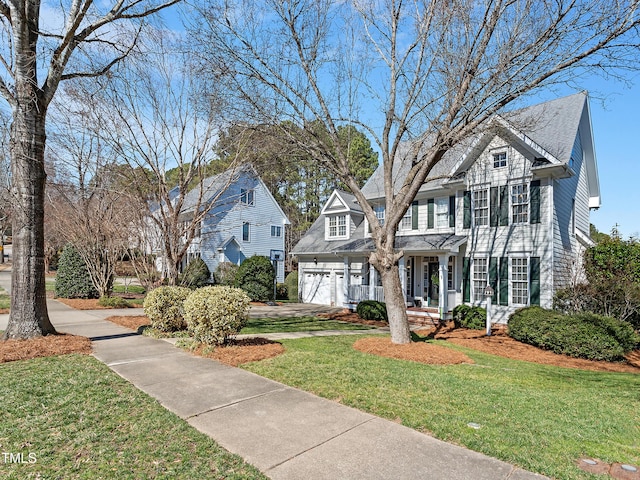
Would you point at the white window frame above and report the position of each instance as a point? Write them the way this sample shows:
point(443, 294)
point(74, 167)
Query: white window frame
point(441, 213)
point(519, 280)
point(379, 211)
point(520, 203)
point(500, 159)
point(407, 220)
point(480, 206)
point(479, 277)
point(337, 226)
point(248, 236)
point(247, 196)
point(278, 231)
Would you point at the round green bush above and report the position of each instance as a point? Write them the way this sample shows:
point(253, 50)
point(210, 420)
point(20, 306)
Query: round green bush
point(213, 314)
point(72, 279)
point(584, 335)
point(372, 310)
point(196, 274)
point(113, 302)
point(164, 308)
point(226, 273)
point(256, 277)
point(291, 281)
point(466, 316)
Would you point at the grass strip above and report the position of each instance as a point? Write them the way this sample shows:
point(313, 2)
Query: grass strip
point(539, 417)
point(297, 324)
point(71, 417)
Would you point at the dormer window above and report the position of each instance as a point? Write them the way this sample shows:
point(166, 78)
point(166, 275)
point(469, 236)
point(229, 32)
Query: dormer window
point(338, 226)
point(379, 210)
point(500, 159)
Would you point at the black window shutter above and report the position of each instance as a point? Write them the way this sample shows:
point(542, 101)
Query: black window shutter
point(466, 281)
point(452, 211)
point(534, 201)
point(534, 288)
point(430, 213)
point(493, 278)
point(504, 206)
point(466, 218)
point(494, 206)
point(504, 281)
point(414, 216)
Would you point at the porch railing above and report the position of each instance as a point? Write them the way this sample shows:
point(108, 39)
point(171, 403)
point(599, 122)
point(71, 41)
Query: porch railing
point(358, 293)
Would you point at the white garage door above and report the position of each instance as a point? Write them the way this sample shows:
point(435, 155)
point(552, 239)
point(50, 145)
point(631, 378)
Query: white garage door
point(318, 288)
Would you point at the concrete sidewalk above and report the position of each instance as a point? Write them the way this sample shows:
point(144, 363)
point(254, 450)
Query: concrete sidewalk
point(285, 432)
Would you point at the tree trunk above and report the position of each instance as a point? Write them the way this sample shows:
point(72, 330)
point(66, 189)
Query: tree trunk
point(28, 317)
point(396, 306)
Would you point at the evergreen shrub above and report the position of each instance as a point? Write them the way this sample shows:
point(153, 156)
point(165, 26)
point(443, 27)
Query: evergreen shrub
point(372, 310)
point(72, 279)
point(196, 274)
point(256, 277)
point(583, 335)
point(215, 313)
point(470, 317)
point(225, 274)
point(291, 281)
point(163, 306)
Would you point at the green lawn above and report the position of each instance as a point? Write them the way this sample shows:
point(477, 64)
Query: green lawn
point(541, 418)
point(297, 324)
point(72, 417)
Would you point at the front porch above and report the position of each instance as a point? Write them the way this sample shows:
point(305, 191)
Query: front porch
point(427, 280)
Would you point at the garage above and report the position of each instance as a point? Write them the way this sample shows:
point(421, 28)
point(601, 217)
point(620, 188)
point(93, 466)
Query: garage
point(322, 287)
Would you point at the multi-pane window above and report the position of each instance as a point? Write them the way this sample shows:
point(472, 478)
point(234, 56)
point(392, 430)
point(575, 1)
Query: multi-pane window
point(442, 212)
point(499, 159)
point(245, 232)
point(406, 222)
point(276, 231)
point(338, 226)
point(379, 210)
point(480, 201)
point(480, 278)
point(246, 196)
point(519, 281)
point(520, 203)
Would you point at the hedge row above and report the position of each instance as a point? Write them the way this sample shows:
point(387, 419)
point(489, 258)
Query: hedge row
point(583, 335)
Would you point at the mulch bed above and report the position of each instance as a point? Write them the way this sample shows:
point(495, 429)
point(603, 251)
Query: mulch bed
point(416, 351)
point(47, 346)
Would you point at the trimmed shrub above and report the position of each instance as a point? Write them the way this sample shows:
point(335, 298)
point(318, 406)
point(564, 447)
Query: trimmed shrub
point(196, 274)
point(72, 279)
point(225, 274)
point(281, 291)
point(583, 335)
point(256, 277)
point(164, 308)
point(372, 310)
point(213, 314)
point(113, 302)
point(291, 281)
point(470, 317)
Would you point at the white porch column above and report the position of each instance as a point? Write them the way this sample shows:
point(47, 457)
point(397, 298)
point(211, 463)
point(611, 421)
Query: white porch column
point(443, 277)
point(402, 271)
point(333, 290)
point(346, 283)
point(300, 282)
point(372, 282)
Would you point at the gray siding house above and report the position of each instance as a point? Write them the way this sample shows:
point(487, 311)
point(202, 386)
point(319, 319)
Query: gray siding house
point(509, 208)
point(244, 221)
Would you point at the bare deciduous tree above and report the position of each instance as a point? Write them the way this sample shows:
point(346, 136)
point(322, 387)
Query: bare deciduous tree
point(157, 124)
point(87, 40)
point(419, 76)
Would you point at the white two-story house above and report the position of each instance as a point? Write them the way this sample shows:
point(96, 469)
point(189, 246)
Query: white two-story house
point(509, 208)
point(245, 220)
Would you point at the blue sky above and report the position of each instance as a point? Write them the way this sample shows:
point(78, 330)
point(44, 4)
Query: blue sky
point(614, 117)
